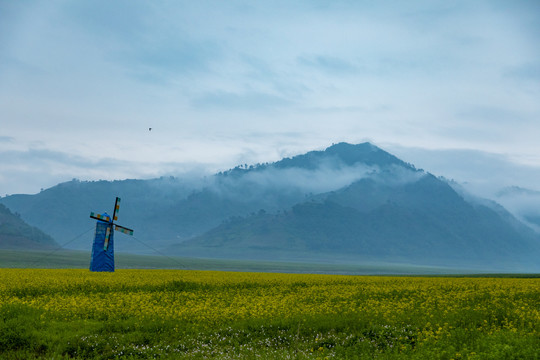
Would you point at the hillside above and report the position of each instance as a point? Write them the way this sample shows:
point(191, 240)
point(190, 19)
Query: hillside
point(16, 234)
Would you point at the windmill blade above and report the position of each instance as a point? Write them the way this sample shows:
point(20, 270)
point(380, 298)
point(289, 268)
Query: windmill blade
point(107, 237)
point(100, 217)
point(125, 230)
point(116, 209)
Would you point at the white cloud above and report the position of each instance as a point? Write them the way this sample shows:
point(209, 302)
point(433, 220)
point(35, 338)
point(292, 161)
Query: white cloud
point(483, 173)
point(88, 78)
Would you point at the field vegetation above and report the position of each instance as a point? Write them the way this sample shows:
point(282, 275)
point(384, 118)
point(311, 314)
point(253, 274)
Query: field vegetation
point(71, 259)
point(170, 314)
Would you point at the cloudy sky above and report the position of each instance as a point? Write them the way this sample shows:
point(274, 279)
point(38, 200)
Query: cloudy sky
point(451, 86)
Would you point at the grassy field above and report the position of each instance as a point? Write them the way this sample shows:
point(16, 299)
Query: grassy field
point(177, 314)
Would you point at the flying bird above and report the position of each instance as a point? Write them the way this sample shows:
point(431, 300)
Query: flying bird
point(149, 129)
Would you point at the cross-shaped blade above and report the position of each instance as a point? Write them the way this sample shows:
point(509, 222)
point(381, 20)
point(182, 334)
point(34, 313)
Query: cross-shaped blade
point(110, 221)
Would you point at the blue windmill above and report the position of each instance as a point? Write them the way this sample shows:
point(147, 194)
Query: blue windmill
point(103, 247)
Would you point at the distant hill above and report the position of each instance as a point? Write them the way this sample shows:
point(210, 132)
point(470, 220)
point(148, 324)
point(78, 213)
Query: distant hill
point(16, 234)
point(345, 203)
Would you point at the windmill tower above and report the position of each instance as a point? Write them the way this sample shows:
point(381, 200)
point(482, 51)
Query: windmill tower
point(103, 247)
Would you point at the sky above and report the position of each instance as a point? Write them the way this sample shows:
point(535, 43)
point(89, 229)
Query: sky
point(450, 86)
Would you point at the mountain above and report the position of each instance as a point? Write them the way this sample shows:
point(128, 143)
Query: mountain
point(345, 203)
point(170, 210)
point(274, 187)
point(16, 234)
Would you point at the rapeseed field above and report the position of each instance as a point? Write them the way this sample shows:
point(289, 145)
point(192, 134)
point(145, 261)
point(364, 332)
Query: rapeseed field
point(173, 314)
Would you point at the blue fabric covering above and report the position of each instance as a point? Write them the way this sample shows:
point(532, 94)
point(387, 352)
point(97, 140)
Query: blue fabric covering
point(102, 260)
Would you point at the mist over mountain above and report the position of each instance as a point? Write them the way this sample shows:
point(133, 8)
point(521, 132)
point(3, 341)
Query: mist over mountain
point(274, 187)
point(523, 203)
point(420, 220)
point(346, 203)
